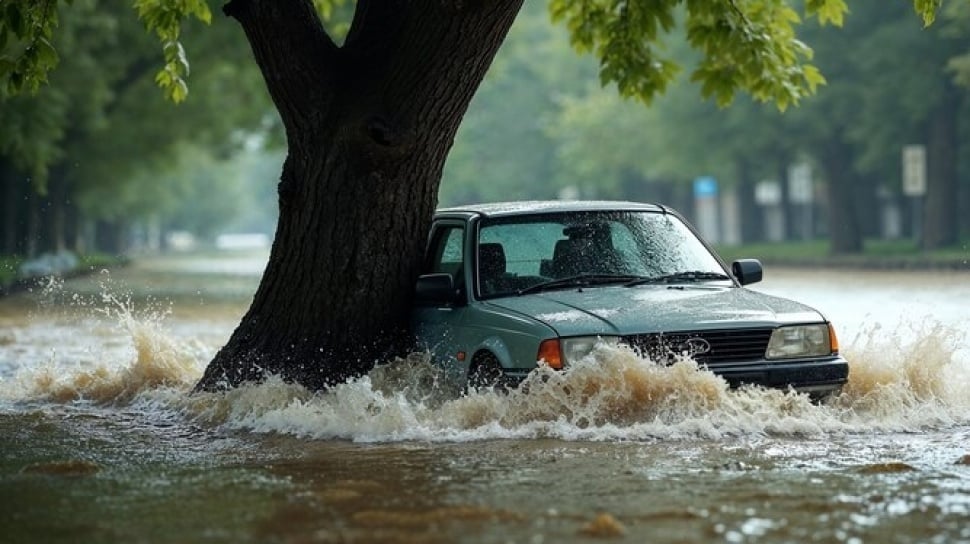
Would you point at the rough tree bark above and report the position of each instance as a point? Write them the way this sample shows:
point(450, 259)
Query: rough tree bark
point(368, 125)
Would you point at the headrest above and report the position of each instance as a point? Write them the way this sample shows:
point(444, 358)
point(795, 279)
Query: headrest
point(491, 259)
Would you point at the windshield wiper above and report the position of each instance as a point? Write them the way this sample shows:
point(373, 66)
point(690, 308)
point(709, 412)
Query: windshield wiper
point(580, 280)
point(687, 275)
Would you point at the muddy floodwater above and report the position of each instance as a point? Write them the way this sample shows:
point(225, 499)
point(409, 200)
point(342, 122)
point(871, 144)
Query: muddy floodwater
point(102, 440)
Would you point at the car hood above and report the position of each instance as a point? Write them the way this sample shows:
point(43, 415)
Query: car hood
point(617, 310)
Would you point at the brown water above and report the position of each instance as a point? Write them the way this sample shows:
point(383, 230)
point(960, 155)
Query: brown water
point(103, 442)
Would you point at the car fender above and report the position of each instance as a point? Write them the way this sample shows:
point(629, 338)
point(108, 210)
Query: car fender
point(511, 336)
point(497, 347)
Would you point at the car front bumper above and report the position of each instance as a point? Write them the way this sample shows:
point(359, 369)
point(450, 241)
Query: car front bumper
point(815, 376)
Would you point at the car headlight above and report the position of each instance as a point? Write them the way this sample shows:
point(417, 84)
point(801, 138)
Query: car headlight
point(801, 341)
point(557, 352)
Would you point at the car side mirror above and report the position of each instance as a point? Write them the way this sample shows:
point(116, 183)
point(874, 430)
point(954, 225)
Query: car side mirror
point(435, 290)
point(747, 271)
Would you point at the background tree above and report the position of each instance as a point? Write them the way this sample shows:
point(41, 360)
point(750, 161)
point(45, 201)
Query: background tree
point(75, 149)
point(504, 145)
point(851, 132)
point(911, 100)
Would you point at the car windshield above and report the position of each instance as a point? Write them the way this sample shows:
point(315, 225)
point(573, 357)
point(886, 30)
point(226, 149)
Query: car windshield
point(530, 253)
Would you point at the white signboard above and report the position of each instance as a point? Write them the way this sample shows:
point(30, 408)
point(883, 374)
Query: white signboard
point(800, 184)
point(914, 170)
point(767, 193)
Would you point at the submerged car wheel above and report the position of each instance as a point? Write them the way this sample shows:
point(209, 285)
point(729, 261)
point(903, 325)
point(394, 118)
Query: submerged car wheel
point(486, 372)
point(826, 396)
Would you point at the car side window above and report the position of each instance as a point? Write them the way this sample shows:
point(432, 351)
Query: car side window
point(446, 255)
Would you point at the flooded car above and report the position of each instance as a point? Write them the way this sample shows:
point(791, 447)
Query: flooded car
point(509, 286)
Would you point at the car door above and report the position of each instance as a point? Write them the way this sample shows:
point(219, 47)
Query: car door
point(437, 326)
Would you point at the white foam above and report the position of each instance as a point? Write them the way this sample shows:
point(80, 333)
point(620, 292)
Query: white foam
point(895, 385)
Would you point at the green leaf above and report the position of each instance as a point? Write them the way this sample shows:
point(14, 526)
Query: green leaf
point(16, 80)
point(15, 19)
point(827, 11)
point(179, 92)
point(813, 77)
point(172, 84)
point(927, 9)
point(163, 78)
point(200, 10)
point(46, 55)
point(175, 55)
point(6, 66)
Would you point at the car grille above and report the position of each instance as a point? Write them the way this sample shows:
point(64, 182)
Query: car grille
point(711, 348)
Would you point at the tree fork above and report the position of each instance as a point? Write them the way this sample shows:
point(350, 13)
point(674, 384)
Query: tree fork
point(368, 126)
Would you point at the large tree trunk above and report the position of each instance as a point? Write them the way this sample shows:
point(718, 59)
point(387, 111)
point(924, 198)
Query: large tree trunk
point(940, 212)
point(12, 203)
point(368, 127)
point(54, 217)
point(843, 222)
point(32, 243)
point(752, 216)
point(111, 237)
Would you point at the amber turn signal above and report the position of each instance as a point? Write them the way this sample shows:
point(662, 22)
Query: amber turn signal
point(550, 353)
point(833, 340)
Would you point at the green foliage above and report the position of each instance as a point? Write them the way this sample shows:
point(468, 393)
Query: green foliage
point(9, 266)
point(219, 194)
point(827, 11)
point(99, 261)
point(516, 144)
point(328, 9)
point(26, 54)
point(927, 9)
point(31, 134)
point(164, 18)
point(103, 125)
point(101, 128)
point(27, 29)
point(623, 36)
point(746, 45)
point(504, 148)
point(957, 26)
point(141, 137)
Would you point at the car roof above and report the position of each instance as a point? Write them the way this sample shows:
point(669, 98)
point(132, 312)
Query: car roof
point(502, 209)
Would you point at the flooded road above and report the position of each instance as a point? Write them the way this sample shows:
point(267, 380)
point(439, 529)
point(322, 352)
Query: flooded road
point(103, 442)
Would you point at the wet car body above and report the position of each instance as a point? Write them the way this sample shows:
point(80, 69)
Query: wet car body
point(508, 286)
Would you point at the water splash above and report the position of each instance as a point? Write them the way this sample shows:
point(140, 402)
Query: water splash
point(157, 360)
point(611, 395)
point(908, 377)
point(614, 394)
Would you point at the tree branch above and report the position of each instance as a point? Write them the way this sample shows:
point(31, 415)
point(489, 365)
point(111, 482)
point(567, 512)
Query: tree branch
point(297, 57)
point(358, 22)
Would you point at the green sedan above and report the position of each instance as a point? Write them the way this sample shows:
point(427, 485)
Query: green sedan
point(509, 286)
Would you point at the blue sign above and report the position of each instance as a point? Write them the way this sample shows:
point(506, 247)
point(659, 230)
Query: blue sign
point(705, 187)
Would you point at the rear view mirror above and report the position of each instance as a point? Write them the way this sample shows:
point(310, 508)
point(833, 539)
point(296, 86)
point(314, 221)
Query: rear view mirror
point(435, 290)
point(747, 271)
